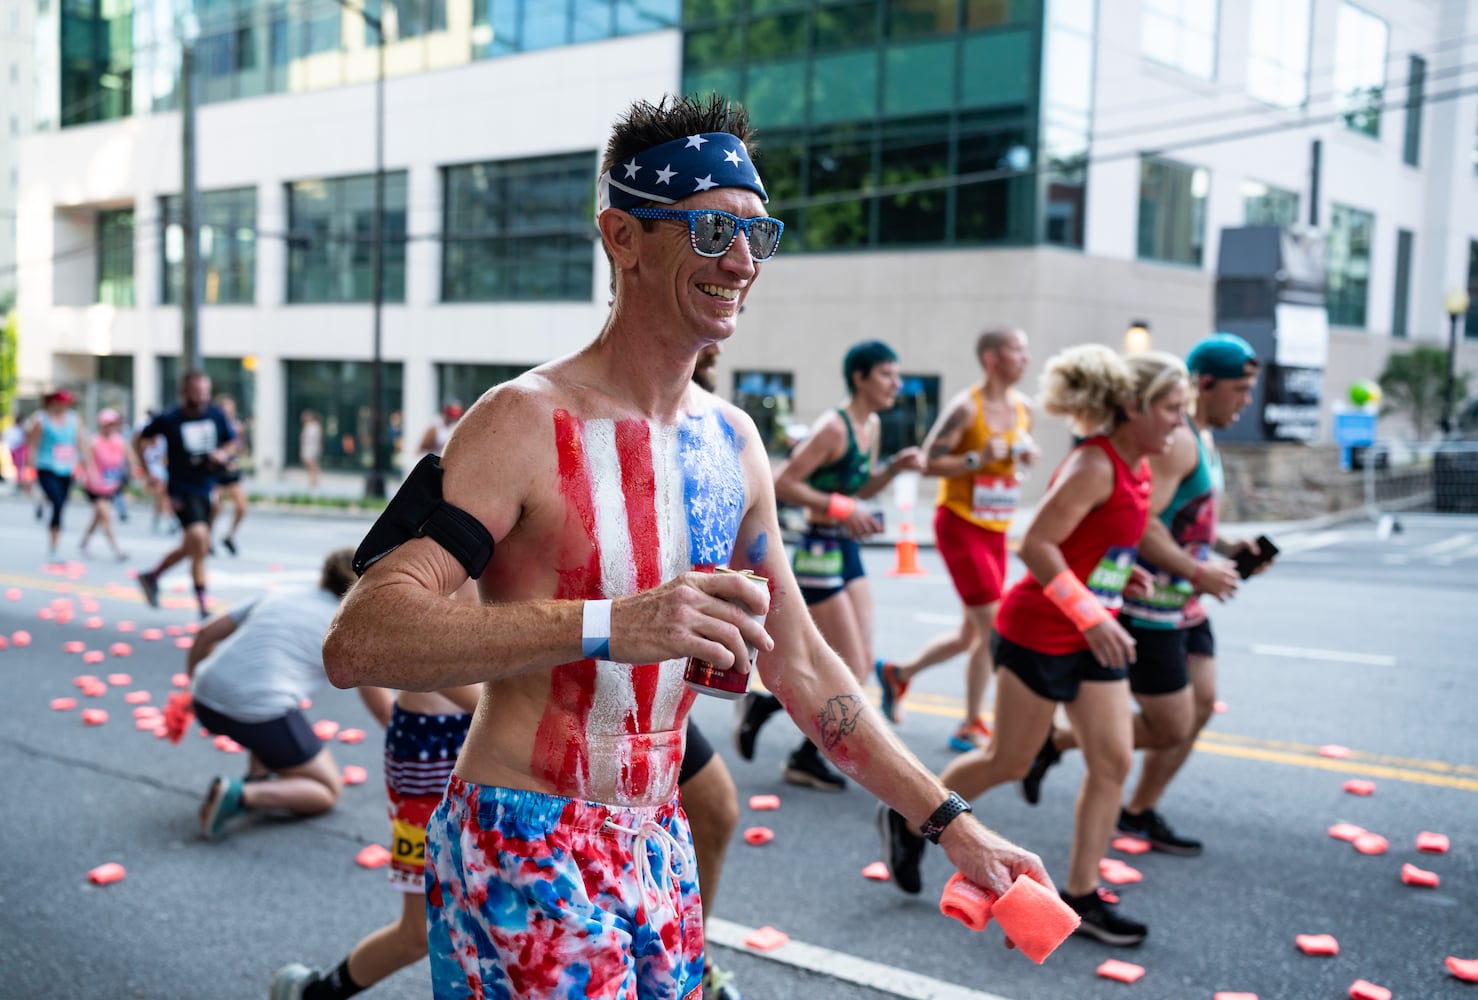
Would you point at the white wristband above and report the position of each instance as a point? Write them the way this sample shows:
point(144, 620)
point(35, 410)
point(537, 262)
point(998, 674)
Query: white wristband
point(595, 632)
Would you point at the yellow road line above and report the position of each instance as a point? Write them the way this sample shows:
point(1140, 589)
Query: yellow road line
point(121, 593)
point(1422, 772)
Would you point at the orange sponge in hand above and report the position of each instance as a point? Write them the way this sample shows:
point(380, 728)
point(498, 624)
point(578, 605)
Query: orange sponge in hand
point(967, 902)
point(1035, 918)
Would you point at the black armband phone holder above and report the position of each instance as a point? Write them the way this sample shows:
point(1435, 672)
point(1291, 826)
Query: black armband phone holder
point(418, 510)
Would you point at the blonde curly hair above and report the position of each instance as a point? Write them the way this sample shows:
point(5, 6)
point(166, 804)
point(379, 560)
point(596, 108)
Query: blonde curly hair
point(1090, 385)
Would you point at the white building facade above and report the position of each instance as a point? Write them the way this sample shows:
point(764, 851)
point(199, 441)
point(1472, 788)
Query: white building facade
point(1063, 166)
point(17, 46)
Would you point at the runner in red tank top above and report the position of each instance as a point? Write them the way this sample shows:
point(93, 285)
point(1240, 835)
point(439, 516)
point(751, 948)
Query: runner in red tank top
point(1058, 638)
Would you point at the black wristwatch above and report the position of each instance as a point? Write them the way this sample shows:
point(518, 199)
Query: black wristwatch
point(943, 816)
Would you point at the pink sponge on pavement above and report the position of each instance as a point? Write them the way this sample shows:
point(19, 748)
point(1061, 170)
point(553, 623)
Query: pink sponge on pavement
point(1035, 918)
point(967, 902)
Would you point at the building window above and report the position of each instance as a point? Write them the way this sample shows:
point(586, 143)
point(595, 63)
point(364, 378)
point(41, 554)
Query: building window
point(1399, 316)
point(1067, 111)
point(1416, 82)
point(769, 399)
point(115, 257)
point(1172, 211)
point(228, 247)
point(1182, 34)
point(518, 231)
point(1278, 59)
point(331, 226)
point(339, 392)
point(1350, 231)
point(1265, 205)
point(465, 384)
point(1470, 326)
point(1360, 69)
point(908, 422)
point(228, 377)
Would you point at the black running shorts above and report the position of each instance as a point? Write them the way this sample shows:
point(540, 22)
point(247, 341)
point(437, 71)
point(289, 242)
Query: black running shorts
point(1054, 676)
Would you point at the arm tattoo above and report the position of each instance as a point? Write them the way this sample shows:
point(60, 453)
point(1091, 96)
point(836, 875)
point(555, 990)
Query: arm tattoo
point(951, 426)
point(838, 719)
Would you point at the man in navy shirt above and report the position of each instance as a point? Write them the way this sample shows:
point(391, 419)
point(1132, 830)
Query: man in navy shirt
point(200, 442)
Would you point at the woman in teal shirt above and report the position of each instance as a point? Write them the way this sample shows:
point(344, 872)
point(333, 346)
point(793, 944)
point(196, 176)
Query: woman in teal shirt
point(56, 447)
point(827, 474)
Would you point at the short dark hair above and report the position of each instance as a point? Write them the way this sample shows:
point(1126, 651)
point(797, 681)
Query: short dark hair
point(863, 357)
point(645, 124)
point(191, 375)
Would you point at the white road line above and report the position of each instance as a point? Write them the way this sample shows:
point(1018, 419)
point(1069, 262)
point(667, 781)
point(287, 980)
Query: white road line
point(934, 618)
point(848, 968)
point(1451, 557)
point(1331, 655)
point(1313, 540)
point(1439, 548)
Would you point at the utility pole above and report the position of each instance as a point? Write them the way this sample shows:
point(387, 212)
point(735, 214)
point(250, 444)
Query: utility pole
point(192, 280)
point(374, 486)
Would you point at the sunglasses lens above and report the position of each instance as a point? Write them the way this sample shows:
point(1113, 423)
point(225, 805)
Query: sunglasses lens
point(764, 237)
point(712, 233)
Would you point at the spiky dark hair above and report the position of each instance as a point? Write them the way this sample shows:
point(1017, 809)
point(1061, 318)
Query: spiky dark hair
point(645, 124)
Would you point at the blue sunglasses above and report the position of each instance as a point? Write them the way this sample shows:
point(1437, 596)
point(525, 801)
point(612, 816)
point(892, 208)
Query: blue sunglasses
point(712, 232)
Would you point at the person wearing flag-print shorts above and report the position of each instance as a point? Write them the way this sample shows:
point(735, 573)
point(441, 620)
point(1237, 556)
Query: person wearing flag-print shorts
point(559, 864)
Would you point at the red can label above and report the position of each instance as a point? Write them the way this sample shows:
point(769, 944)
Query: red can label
point(706, 678)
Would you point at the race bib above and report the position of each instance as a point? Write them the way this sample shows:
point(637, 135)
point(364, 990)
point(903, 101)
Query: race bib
point(818, 562)
point(995, 498)
point(198, 436)
point(1110, 575)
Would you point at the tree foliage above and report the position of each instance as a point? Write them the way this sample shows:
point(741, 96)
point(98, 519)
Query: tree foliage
point(8, 352)
point(1413, 385)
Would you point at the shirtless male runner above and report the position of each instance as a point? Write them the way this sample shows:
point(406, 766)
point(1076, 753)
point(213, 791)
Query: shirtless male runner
point(559, 864)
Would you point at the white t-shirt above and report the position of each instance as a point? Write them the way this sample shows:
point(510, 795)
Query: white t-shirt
point(273, 660)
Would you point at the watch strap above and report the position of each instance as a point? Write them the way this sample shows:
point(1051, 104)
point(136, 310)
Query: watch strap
point(952, 807)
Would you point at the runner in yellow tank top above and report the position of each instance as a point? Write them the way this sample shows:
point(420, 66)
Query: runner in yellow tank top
point(977, 448)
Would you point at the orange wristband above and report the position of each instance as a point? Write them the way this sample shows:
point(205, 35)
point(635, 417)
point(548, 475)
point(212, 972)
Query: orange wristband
point(840, 507)
point(1196, 576)
point(1076, 601)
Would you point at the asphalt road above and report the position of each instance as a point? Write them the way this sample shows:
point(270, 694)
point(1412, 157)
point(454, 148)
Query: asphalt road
point(1352, 638)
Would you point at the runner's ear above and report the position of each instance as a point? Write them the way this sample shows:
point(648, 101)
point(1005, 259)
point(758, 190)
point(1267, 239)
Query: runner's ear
point(418, 510)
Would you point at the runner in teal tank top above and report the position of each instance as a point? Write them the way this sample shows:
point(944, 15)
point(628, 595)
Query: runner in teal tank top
point(1174, 674)
point(57, 445)
point(827, 474)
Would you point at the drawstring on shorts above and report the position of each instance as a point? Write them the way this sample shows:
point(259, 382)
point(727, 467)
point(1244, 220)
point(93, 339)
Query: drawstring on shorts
point(654, 834)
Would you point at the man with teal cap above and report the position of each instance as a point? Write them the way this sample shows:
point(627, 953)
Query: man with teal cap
point(1174, 675)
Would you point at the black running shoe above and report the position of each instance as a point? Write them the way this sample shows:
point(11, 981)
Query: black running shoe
point(1031, 785)
point(1102, 922)
point(1149, 826)
point(230, 544)
point(751, 711)
point(807, 768)
point(902, 851)
point(149, 584)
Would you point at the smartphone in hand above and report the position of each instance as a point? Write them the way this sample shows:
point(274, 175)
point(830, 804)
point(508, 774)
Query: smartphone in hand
point(1248, 561)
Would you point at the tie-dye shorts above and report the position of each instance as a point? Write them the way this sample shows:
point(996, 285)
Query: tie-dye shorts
point(537, 897)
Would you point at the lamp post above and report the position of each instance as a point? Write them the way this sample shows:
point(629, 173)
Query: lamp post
point(1137, 337)
point(374, 484)
point(1456, 304)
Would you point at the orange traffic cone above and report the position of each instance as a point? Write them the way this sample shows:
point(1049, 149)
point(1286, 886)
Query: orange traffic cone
point(906, 551)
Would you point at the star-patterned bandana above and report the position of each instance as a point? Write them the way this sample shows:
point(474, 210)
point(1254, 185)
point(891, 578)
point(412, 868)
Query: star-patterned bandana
point(674, 170)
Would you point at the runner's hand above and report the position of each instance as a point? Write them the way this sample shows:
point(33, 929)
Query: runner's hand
point(860, 523)
point(988, 859)
point(1110, 644)
point(907, 460)
point(706, 615)
point(1140, 584)
point(1219, 578)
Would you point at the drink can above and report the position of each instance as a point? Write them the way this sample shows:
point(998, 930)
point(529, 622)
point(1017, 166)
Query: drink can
point(705, 678)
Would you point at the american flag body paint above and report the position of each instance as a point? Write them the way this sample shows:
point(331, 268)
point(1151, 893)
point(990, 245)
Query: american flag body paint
point(645, 502)
point(706, 678)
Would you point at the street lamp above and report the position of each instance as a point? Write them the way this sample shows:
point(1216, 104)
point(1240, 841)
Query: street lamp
point(374, 485)
point(1456, 304)
point(1137, 337)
